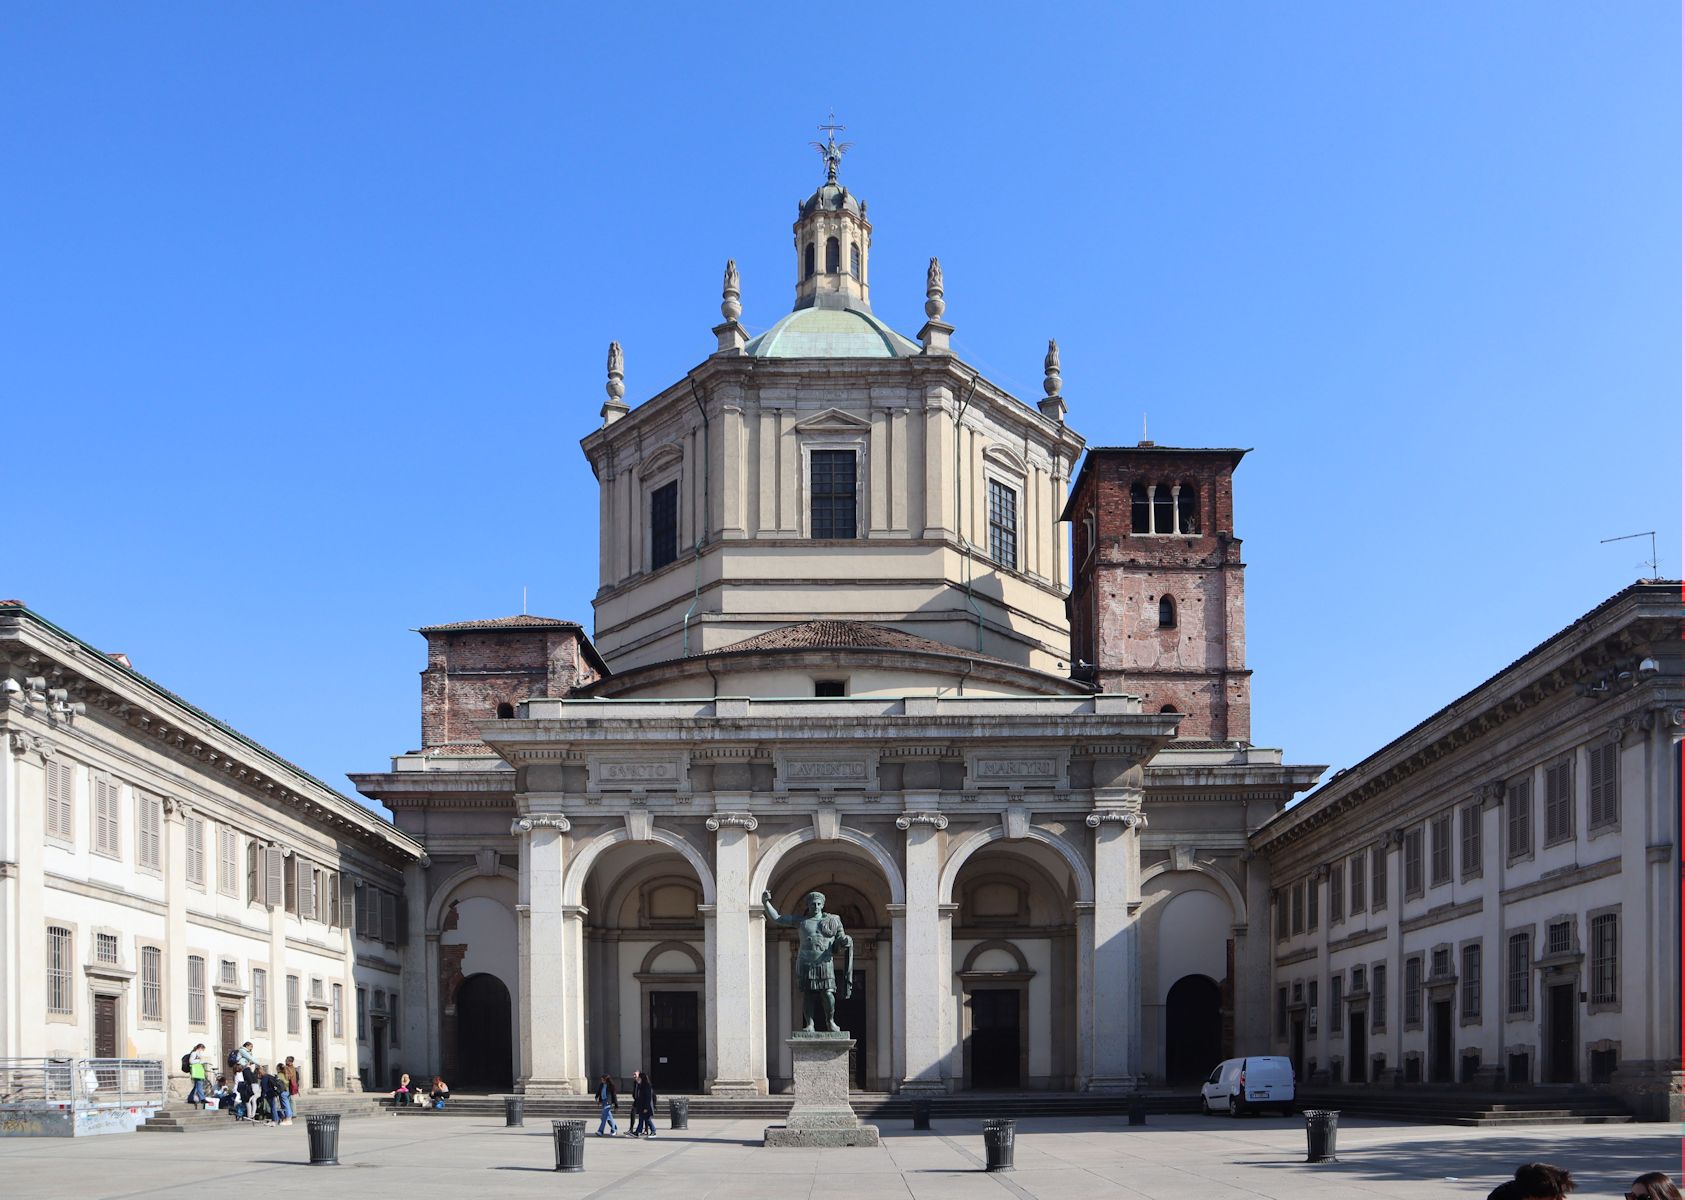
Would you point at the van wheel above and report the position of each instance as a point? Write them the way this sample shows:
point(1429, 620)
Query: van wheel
point(1237, 1107)
point(1204, 1106)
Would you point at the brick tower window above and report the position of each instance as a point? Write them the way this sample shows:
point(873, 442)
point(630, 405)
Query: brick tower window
point(1164, 509)
point(1187, 507)
point(1166, 613)
point(505, 711)
point(1140, 511)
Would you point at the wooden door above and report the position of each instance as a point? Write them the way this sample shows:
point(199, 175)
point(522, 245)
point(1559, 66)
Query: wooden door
point(317, 1054)
point(995, 1038)
point(1439, 1043)
point(105, 1026)
point(230, 1041)
point(674, 1042)
point(1561, 1066)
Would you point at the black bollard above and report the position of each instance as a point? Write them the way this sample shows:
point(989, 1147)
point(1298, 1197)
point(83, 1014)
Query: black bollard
point(514, 1110)
point(1322, 1127)
point(323, 1131)
point(921, 1114)
point(570, 1145)
point(1137, 1109)
point(678, 1112)
point(998, 1135)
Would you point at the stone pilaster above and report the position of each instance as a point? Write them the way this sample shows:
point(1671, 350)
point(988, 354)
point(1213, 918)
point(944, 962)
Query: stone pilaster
point(175, 928)
point(1115, 1030)
point(1492, 855)
point(546, 1017)
point(736, 959)
point(926, 980)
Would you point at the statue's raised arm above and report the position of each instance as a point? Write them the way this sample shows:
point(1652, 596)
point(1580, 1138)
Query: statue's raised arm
point(772, 913)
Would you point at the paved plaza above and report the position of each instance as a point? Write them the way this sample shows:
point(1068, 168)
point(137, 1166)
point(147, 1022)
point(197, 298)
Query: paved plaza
point(1174, 1158)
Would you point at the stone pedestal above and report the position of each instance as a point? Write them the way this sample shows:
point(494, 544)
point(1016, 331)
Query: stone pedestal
point(821, 1116)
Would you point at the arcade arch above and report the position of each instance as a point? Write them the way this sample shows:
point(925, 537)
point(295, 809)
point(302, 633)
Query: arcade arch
point(474, 917)
point(1187, 928)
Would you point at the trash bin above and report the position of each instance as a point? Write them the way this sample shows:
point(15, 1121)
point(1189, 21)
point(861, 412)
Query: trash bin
point(570, 1145)
point(323, 1129)
point(998, 1134)
point(1322, 1126)
point(1137, 1109)
point(921, 1114)
point(678, 1112)
point(514, 1110)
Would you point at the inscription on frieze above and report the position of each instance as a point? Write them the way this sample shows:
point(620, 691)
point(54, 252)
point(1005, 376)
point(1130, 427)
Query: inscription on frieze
point(823, 772)
point(999, 768)
point(1015, 768)
point(821, 769)
point(639, 774)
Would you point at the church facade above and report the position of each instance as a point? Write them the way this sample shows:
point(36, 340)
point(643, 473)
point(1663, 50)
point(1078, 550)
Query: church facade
point(842, 644)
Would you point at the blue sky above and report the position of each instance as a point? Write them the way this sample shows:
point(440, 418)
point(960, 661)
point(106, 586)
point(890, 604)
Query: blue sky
point(305, 306)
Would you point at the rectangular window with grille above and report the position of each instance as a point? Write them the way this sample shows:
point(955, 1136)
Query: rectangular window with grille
point(1559, 803)
point(1378, 877)
point(1358, 979)
point(60, 968)
point(1559, 937)
point(294, 1020)
point(1605, 802)
point(664, 525)
point(317, 989)
point(195, 866)
point(1439, 850)
point(1336, 1005)
point(1519, 972)
point(1413, 990)
point(228, 973)
point(105, 948)
point(107, 832)
point(338, 1010)
point(1359, 881)
point(832, 496)
point(228, 861)
point(1413, 862)
point(260, 999)
point(61, 805)
point(1003, 524)
point(1518, 817)
point(1469, 984)
point(395, 1025)
point(151, 983)
point(195, 990)
point(1337, 892)
point(1471, 818)
point(1378, 998)
point(1441, 962)
point(149, 832)
point(1605, 968)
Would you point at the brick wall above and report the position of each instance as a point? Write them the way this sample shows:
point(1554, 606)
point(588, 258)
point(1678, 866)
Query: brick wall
point(471, 672)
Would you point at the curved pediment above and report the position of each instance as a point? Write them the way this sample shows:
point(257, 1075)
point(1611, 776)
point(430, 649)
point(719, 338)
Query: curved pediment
point(660, 460)
point(1001, 457)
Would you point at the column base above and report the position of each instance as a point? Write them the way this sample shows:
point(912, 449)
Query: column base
point(922, 1087)
point(1113, 1083)
point(1488, 1079)
point(737, 1087)
point(547, 1087)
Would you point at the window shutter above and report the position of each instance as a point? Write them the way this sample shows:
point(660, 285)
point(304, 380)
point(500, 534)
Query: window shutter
point(403, 912)
point(105, 815)
point(148, 832)
point(306, 887)
point(274, 873)
point(388, 919)
point(347, 901)
point(254, 874)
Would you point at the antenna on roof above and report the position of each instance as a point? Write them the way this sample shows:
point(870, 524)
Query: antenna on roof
point(523, 599)
point(1652, 562)
point(1143, 427)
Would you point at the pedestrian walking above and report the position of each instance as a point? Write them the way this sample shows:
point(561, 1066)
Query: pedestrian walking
point(195, 1064)
point(1653, 1186)
point(607, 1098)
point(643, 1105)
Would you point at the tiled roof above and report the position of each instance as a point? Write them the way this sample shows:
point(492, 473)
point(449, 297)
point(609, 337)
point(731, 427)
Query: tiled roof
point(523, 621)
point(836, 635)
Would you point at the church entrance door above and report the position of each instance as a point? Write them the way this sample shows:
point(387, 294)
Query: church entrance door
point(1193, 1029)
point(673, 1042)
point(483, 1056)
point(995, 1038)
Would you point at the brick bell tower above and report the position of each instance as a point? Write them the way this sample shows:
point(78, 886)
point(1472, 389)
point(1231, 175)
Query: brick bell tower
point(1157, 604)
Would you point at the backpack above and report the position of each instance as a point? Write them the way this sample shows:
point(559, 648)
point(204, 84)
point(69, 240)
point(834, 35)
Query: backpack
point(234, 1058)
point(187, 1063)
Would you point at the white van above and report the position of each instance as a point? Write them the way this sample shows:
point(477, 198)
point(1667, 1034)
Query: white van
point(1243, 1085)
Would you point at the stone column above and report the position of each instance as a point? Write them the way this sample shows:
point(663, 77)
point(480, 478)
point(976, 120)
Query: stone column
point(735, 960)
point(926, 985)
point(1490, 1031)
point(1085, 993)
point(1392, 1041)
point(420, 983)
point(573, 1000)
point(175, 929)
point(545, 963)
point(1115, 1031)
point(1254, 968)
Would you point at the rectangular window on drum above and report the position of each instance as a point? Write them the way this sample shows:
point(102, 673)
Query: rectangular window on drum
point(663, 525)
point(832, 495)
point(1003, 524)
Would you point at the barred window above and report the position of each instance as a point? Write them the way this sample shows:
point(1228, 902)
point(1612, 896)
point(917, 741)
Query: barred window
point(228, 973)
point(60, 960)
point(1441, 962)
point(362, 1014)
point(228, 865)
point(149, 832)
point(1518, 816)
point(1413, 990)
point(1378, 877)
point(1003, 524)
point(1358, 979)
point(1378, 999)
point(832, 494)
point(1413, 862)
point(1470, 982)
point(1359, 881)
point(1439, 849)
point(1471, 840)
point(1336, 1005)
point(260, 999)
point(61, 784)
point(1519, 974)
point(1605, 801)
point(397, 1021)
point(1559, 937)
point(294, 1023)
point(1337, 892)
point(195, 850)
point(151, 983)
point(1559, 803)
point(107, 830)
point(339, 1010)
point(1605, 974)
point(664, 525)
point(195, 990)
point(105, 948)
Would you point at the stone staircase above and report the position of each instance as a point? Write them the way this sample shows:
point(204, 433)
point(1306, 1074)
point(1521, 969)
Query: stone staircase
point(177, 1117)
point(1439, 1106)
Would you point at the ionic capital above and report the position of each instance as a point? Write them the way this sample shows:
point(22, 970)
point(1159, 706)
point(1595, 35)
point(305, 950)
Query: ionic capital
point(935, 820)
point(1127, 817)
point(534, 821)
point(732, 820)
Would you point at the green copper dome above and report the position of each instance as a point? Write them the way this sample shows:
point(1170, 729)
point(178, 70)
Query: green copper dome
point(830, 333)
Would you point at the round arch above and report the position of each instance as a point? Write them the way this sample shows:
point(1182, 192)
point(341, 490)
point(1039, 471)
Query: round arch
point(769, 860)
point(573, 885)
point(446, 890)
point(1237, 902)
point(647, 967)
point(976, 841)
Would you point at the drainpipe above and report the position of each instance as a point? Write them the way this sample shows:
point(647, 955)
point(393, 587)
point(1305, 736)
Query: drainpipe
point(702, 531)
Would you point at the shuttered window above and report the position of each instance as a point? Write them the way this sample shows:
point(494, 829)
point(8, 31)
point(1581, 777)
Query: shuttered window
point(1359, 881)
point(1439, 849)
point(149, 832)
point(1337, 892)
point(61, 783)
point(1413, 862)
point(228, 861)
point(1518, 817)
point(1605, 795)
point(1471, 840)
point(260, 999)
point(1559, 802)
point(274, 871)
point(196, 850)
point(107, 831)
point(306, 888)
point(1378, 877)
